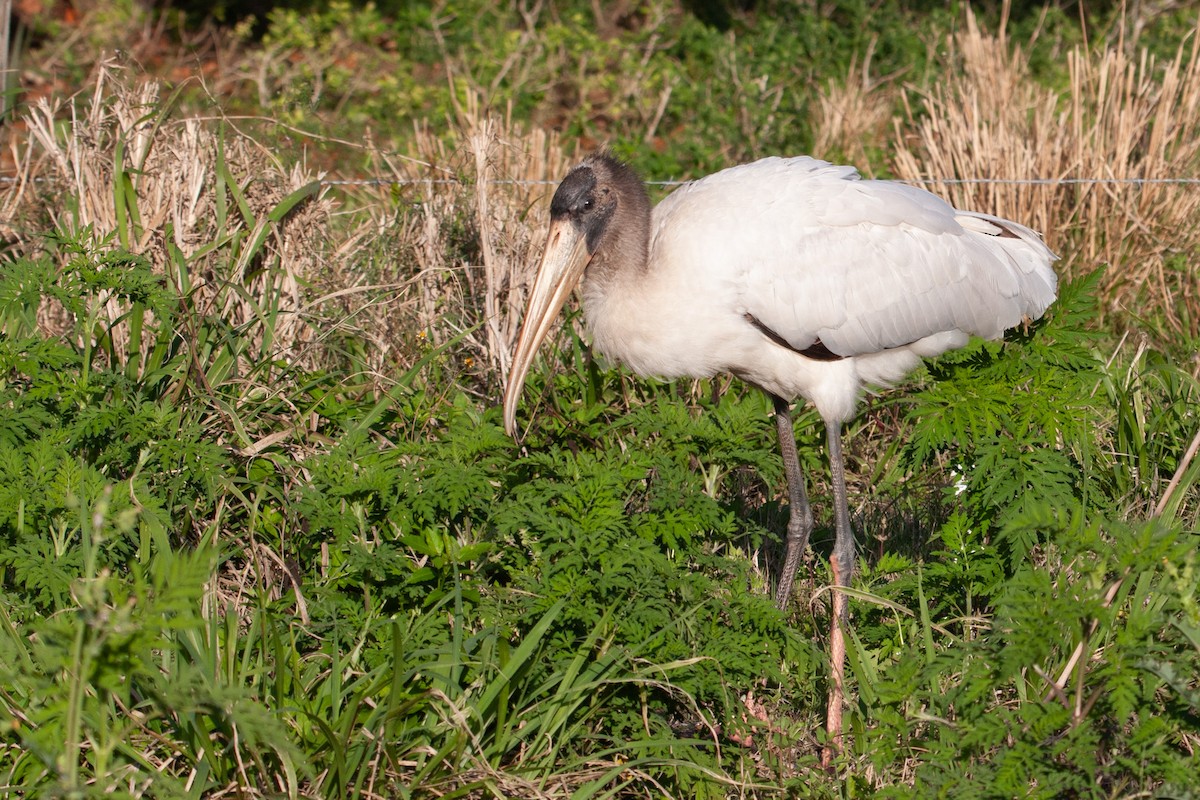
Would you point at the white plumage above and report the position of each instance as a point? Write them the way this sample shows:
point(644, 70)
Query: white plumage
point(793, 274)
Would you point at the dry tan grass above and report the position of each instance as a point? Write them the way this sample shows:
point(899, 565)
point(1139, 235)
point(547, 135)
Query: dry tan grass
point(69, 176)
point(445, 246)
point(853, 114)
point(512, 184)
point(1122, 117)
point(490, 184)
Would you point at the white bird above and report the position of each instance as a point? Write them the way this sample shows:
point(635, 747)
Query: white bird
point(794, 275)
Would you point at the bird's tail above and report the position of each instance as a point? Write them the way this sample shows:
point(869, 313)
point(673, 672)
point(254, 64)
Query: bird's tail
point(1026, 252)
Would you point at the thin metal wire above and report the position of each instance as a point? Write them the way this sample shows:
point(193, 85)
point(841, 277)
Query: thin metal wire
point(952, 181)
point(1060, 181)
point(922, 181)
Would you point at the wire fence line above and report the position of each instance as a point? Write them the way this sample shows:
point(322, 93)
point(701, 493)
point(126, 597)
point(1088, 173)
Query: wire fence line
point(923, 181)
point(351, 182)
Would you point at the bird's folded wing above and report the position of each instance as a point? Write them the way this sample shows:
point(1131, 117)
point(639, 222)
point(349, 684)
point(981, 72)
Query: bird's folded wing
point(812, 253)
point(870, 288)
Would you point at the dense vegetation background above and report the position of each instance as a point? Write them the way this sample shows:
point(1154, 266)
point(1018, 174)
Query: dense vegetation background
point(261, 533)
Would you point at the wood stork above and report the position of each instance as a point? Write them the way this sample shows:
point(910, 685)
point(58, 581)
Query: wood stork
point(794, 275)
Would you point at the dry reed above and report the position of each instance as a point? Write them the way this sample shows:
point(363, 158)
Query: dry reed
point(853, 114)
point(445, 246)
point(83, 150)
point(1124, 119)
point(465, 239)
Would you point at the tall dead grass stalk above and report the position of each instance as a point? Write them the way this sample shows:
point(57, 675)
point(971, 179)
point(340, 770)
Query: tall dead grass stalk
point(852, 114)
point(511, 218)
point(469, 234)
point(111, 166)
point(1122, 117)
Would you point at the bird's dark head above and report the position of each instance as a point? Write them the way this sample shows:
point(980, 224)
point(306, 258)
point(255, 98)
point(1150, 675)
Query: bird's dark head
point(595, 192)
point(599, 227)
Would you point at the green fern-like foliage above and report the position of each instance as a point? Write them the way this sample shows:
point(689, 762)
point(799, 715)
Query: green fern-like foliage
point(1066, 692)
point(633, 528)
point(81, 422)
point(125, 666)
point(245, 575)
point(1034, 666)
point(1014, 420)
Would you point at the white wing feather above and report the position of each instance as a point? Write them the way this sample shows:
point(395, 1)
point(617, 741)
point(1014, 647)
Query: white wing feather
point(813, 252)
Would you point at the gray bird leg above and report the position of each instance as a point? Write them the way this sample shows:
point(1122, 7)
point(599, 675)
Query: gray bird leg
point(800, 521)
point(841, 563)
